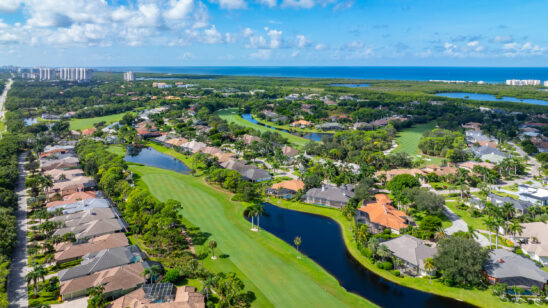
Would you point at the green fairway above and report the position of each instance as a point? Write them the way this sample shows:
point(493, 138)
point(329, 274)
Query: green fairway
point(231, 115)
point(269, 266)
point(408, 142)
point(80, 124)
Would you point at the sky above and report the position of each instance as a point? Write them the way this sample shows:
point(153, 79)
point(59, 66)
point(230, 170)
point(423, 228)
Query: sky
point(273, 33)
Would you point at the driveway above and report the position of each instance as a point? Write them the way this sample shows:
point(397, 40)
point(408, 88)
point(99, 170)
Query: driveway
point(461, 225)
point(17, 286)
point(81, 302)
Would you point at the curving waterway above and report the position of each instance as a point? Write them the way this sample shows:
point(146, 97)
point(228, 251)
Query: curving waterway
point(309, 135)
point(322, 241)
point(492, 98)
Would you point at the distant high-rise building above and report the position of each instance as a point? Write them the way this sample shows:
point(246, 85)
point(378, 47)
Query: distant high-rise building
point(74, 73)
point(47, 73)
point(546, 83)
point(525, 82)
point(129, 76)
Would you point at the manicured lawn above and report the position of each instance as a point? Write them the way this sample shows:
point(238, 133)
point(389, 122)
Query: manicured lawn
point(503, 194)
point(268, 265)
point(80, 124)
point(408, 141)
point(231, 115)
point(117, 149)
point(475, 222)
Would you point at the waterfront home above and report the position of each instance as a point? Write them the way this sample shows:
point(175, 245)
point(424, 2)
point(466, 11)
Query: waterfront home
point(116, 281)
point(161, 295)
point(520, 205)
point(248, 139)
point(380, 215)
point(301, 123)
point(537, 196)
point(193, 146)
point(94, 229)
point(223, 157)
point(285, 189)
point(329, 195)
point(507, 267)
point(176, 142)
point(330, 126)
point(67, 251)
point(413, 253)
point(73, 198)
point(101, 260)
point(255, 174)
point(534, 239)
point(289, 151)
point(80, 205)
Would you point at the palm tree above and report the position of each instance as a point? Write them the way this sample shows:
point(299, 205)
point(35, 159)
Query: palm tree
point(515, 228)
point(384, 252)
point(507, 210)
point(440, 233)
point(535, 290)
point(38, 272)
point(297, 241)
point(499, 221)
point(96, 297)
point(517, 292)
point(429, 267)
point(491, 225)
point(472, 233)
point(212, 245)
point(250, 213)
point(259, 210)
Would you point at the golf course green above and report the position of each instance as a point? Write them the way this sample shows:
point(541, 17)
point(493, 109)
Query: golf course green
point(408, 142)
point(270, 267)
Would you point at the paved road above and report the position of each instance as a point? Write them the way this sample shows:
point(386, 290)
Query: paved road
point(17, 286)
point(3, 98)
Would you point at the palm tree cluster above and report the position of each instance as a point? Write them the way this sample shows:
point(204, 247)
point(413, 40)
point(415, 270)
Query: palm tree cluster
point(505, 218)
point(255, 211)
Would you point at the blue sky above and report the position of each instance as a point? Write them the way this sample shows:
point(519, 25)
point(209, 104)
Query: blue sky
point(273, 32)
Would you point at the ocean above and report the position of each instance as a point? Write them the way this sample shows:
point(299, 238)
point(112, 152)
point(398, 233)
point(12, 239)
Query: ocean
point(486, 74)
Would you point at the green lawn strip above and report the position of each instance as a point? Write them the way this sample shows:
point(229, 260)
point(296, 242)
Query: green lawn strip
point(289, 127)
point(503, 194)
point(117, 149)
point(268, 262)
point(80, 124)
point(475, 222)
point(44, 297)
point(231, 115)
point(408, 142)
point(481, 298)
point(184, 158)
point(513, 187)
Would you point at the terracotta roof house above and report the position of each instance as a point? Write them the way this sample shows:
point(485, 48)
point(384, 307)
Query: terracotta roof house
point(380, 215)
point(116, 281)
point(329, 195)
point(177, 142)
point(161, 295)
point(289, 151)
point(285, 189)
point(89, 131)
point(101, 260)
point(55, 152)
point(507, 267)
point(412, 251)
point(72, 198)
point(301, 123)
point(440, 171)
point(94, 229)
point(535, 239)
point(68, 251)
point(469, 165)
point(392, 173)
point(248, 139)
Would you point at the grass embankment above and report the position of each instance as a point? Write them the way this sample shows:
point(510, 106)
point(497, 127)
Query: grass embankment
point(80, 124)
point(408, 142)
point(289, 127)
point(268, 266)
point(231, 115)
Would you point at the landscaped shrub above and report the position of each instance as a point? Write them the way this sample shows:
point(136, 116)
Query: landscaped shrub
point(396, 273)
point(387, 265)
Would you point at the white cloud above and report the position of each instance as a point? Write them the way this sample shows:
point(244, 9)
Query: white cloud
point(295, 53)
point(302, 41)
point(303, 4)
point(231, 4)
point(320, 46)
point(9, 5)
point(248, 32)
point(179, 9)
point(261, 54)
point(186, 56)
point(269, 3)
point(526, 49)
point(503, 39)
point(472, 44)
point(274, 39)
point(212, 36)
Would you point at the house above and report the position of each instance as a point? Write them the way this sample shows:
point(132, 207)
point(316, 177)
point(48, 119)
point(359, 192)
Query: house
point(507, 267)
point(329, 195)
point(248, 139)
point(412, 251)
point(86, 216)
point(473, 136)
point(73, 198)
point(193, 146)
point(210, 150)
point(440, 171)
point(94, 229)
point(380, 215)
point(469, 165)
point(537, 196)
point(289, 151)
point(285, 189)
point(59, 175)
point(76, 184)
point(161, 295)
point(392, 173)
point(535, 238)
point(55, 152)
point(490, 154)
point(101, 260)
point(330, 126)
point(520, 205)
point(89, 131)
point(61, 163)
point(223, 157)
point(235, 165)
point(68, 251)
point(80, 205)
point(116, 281)
point(255, 175)
point(472, 125)
point(301, 123)
point(176, 142)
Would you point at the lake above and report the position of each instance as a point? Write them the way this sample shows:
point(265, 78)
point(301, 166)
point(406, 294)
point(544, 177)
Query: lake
point(307, 135)
point(350, 85)
point(30, 121)
point(322, 241)
point(492, 98)
point(151, 157)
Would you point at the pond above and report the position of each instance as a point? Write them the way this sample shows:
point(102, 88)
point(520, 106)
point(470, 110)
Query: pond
point(492, 98)
point(30, 121)
point(350, 85)
point(307, 135)
point(322, 241)
point(153, 158)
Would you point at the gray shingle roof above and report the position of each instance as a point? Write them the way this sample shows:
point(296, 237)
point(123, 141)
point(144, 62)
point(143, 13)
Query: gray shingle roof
point(255, 174)
point(485, 150)
point(102, 260)
point(332, 193)
point(518, 204)
point(514, 269)
point(410, 249)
